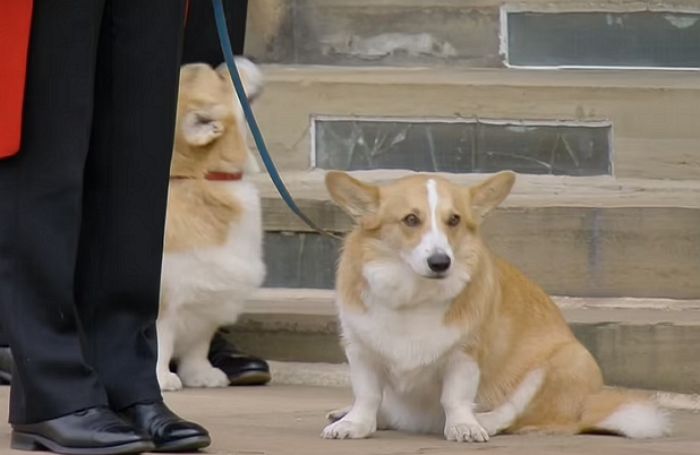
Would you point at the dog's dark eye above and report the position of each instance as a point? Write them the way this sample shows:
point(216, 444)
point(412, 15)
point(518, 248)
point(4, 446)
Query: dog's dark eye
point(411, 220)
point(453, 220)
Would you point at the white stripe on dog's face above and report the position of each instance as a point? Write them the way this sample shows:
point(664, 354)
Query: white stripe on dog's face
point(433, 205)
point(434, 241)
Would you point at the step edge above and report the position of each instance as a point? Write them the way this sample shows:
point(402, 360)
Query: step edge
point(594, 78)
point(327, 296)
point(290, 303)
point(529, 190)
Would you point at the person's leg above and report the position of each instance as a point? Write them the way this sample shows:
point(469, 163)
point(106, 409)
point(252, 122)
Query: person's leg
point(6, 362)
point(40, 209)
point(126, 185)
point(201, 43)
point(4, 341)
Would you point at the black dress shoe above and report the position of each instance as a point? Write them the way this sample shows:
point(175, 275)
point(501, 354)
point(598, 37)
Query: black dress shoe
point(168, 432)
point(95, 431)
point(241, 368)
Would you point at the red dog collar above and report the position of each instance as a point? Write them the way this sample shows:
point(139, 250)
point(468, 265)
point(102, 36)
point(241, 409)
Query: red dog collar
point(214, 176)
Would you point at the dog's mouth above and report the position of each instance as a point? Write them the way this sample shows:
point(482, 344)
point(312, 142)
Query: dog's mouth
point(436, 275)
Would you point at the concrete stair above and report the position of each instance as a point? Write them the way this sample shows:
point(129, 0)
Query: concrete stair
point(633, 234)
point(600, 238)
point(379, 32)
point(425, 32)
point(644, 343)
point(592, 236)
point(653, 113)
point(622, 250)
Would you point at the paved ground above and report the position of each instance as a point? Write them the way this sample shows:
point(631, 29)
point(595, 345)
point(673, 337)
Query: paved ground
point(287, 420)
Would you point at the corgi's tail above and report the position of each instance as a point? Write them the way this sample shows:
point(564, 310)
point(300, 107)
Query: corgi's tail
point(251, 76)
point(624, 413)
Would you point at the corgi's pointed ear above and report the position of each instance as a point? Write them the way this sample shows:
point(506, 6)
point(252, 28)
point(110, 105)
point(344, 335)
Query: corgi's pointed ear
point(201, 127)
point(357, 198)
point(487, 195)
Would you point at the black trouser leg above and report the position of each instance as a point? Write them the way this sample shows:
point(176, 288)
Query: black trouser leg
point(4, 341)
point(65, 251)
point(201, 40)
point(40, 209)
point(126, 185)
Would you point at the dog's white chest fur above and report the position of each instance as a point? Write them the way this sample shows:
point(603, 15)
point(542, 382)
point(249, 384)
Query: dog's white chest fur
point(406, 341)
point(404, 335)
point(405, 319)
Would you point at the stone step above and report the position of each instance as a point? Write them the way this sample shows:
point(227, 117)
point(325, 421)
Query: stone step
point(592, 236)
point(641, 343)
point(484, 33)
point(649, 118)
point(374, 32)
point(320, 374)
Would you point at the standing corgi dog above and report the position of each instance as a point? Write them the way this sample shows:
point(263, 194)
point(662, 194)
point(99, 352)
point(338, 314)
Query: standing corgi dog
point(433, 322)
point(213, 235)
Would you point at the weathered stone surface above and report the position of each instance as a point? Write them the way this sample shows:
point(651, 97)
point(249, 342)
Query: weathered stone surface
point(577, 251)
point(407, 32)
point(374, 32)
point(653, 356)
point(653, 114)
point(638, 343)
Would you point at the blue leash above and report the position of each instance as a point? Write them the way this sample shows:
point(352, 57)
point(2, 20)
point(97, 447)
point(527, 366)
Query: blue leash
point(225, 41)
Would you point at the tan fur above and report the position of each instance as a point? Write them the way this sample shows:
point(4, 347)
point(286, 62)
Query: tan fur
point(213, 234)
point(201, 211)
point(513, 325)
point(199, 215)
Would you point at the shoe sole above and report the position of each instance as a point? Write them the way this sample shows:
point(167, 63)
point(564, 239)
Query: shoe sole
point(190, 444)
point(250, 378)
point(35, 442)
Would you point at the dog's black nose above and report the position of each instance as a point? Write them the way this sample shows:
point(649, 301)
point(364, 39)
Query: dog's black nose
point(439, 262)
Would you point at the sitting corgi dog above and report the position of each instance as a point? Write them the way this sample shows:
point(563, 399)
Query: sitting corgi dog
point(213, 236)
point(433, 322)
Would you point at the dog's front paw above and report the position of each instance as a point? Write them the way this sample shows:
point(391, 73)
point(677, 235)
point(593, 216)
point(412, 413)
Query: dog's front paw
point(169, 382)
point(465, 432)
point(204, 377)
point(347, 429)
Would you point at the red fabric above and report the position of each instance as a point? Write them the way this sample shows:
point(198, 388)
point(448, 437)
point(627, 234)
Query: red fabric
point(15, 23)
